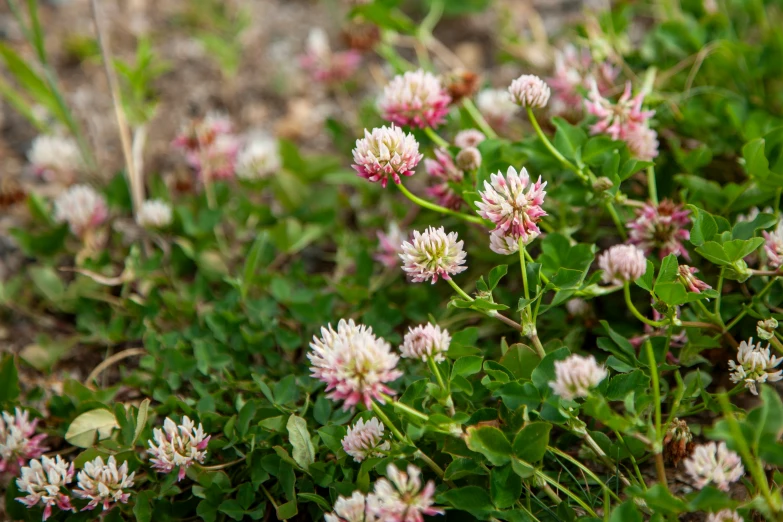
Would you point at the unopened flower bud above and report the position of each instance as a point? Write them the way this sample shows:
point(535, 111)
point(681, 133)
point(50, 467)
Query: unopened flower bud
point(469, 158)
point(601, 184)
point(678, 442)
point(766, 329)
point(529, 91)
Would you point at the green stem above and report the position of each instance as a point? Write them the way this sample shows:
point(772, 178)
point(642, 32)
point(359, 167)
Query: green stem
point(635, 312)
point(522, 252)
point(474, 113)
point(440, 142)
point(459, 290)
point(744, 312)
point(407, 409)
point(616, 218)
point(566, 491)
point(537, 345)
point(584, 469)
point(652, 188)
point(387, 422)
point(269, 496)
point(548, 144)
point(636, 469)
point(659, 467)
point(438, 208)
point(719, 289)
point(434, 369)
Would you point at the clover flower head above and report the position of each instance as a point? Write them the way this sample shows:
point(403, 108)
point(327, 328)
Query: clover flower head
point(622, 263)
point(426, 341)
point(198, 134)
point(18, 441)
point(724, 515)
point(45, 481)
point(469, 158)
point(687, 276)
point(390, 246)
point(365, 439)
point(355, 365)
point(400, 497)
point(496, 106)
point(82, 207)
point(503, 244)
point(323, 64)
point(773, 246)
point(754, 366)
point(386, 152)
point(714, 463)
point(178, 446)
point(469, 138)
point(154, 213)
point(575, 375)
point(678, 441)
point(104, 483)
point(766, 329)
point(219, 160)
point(432, 254)
point(513, 204)
point(642, 142)
point(50, 155)
point(258, 158)
point(445, 172)
point(416, 98)
point(661, 227)
point(577, 307)
point(350, 509)
point(574, 73)
point(529, 91)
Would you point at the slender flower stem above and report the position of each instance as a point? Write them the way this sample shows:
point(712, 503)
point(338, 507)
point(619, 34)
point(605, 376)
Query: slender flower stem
point(471, 108)
point(440, 142)
point(616, 218)
point(635, 312)
point(434, 369)
point(459, 290)
point(744, 312)
point(522, 252)
point(387, 422)
point(659, 467)
point(777, 344)
point(652, 188)
point(584, 470)
point(269, 496)
point(404, 407)
point(551, 148)
point(537, 345)
point(719, 289)
point(437, 208)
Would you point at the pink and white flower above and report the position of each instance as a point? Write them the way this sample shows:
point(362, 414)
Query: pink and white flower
point(18, 441)
point(259, 157)
point(198, 134)
point(575, 71)
point(52, 156)
point(401, 498)
point(687, 276)
point(469, 138)
point(45, 483)
point(154, 213)
point(446, 173)
point(513, 204)
point(390, 246)
point(350, 509)
point(529, 91)
point(662, 227)
point(178, 446)
point(773, 246)
point(365, 440)
point(622, 263)
point(714, 463)
point(386, 152)
point(82, 207)
point(496, 106)
point(502, 244)
point(432, 254)
point(469, 159)
point(104, 483)
point(754, 366)
point(724, 515)
point(209, 145)
point(355, 365)
point(426, 341)
point(323, 64)
point(576, 375)
point(416, 99)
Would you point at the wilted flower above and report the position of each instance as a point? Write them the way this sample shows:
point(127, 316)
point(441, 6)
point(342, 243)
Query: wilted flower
point(323, 64)
point(575, 375)
point(18, 441)
point(513, 211)
point(258, 158)
point(773, 246)
point(82, 208)
point(44, 482)
point(199, 134)
point(469, 138)
point(154, 213)
point(426, 341)
point(461, 84)
point(51, 155)
point(764, 329)
point(433, 254)
point(416, 98)
point(529, 91)
point(355, 365)
point(622, 263)
point(688, 278)
point(716, 464)
point(351, 509)
point(574, 73)
point(502, 244)
point(443, 169)
point(390, 246)
point(496, 106)
point(624, 121)
point(662, 228)
point(678, 441)
point(725, 515)
point(400, 497)
point(104, 483)
point(754, 365)
point(469, 158)
point(178, 446)
point(365, 439)
point(219, 160)
point(384, 153)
